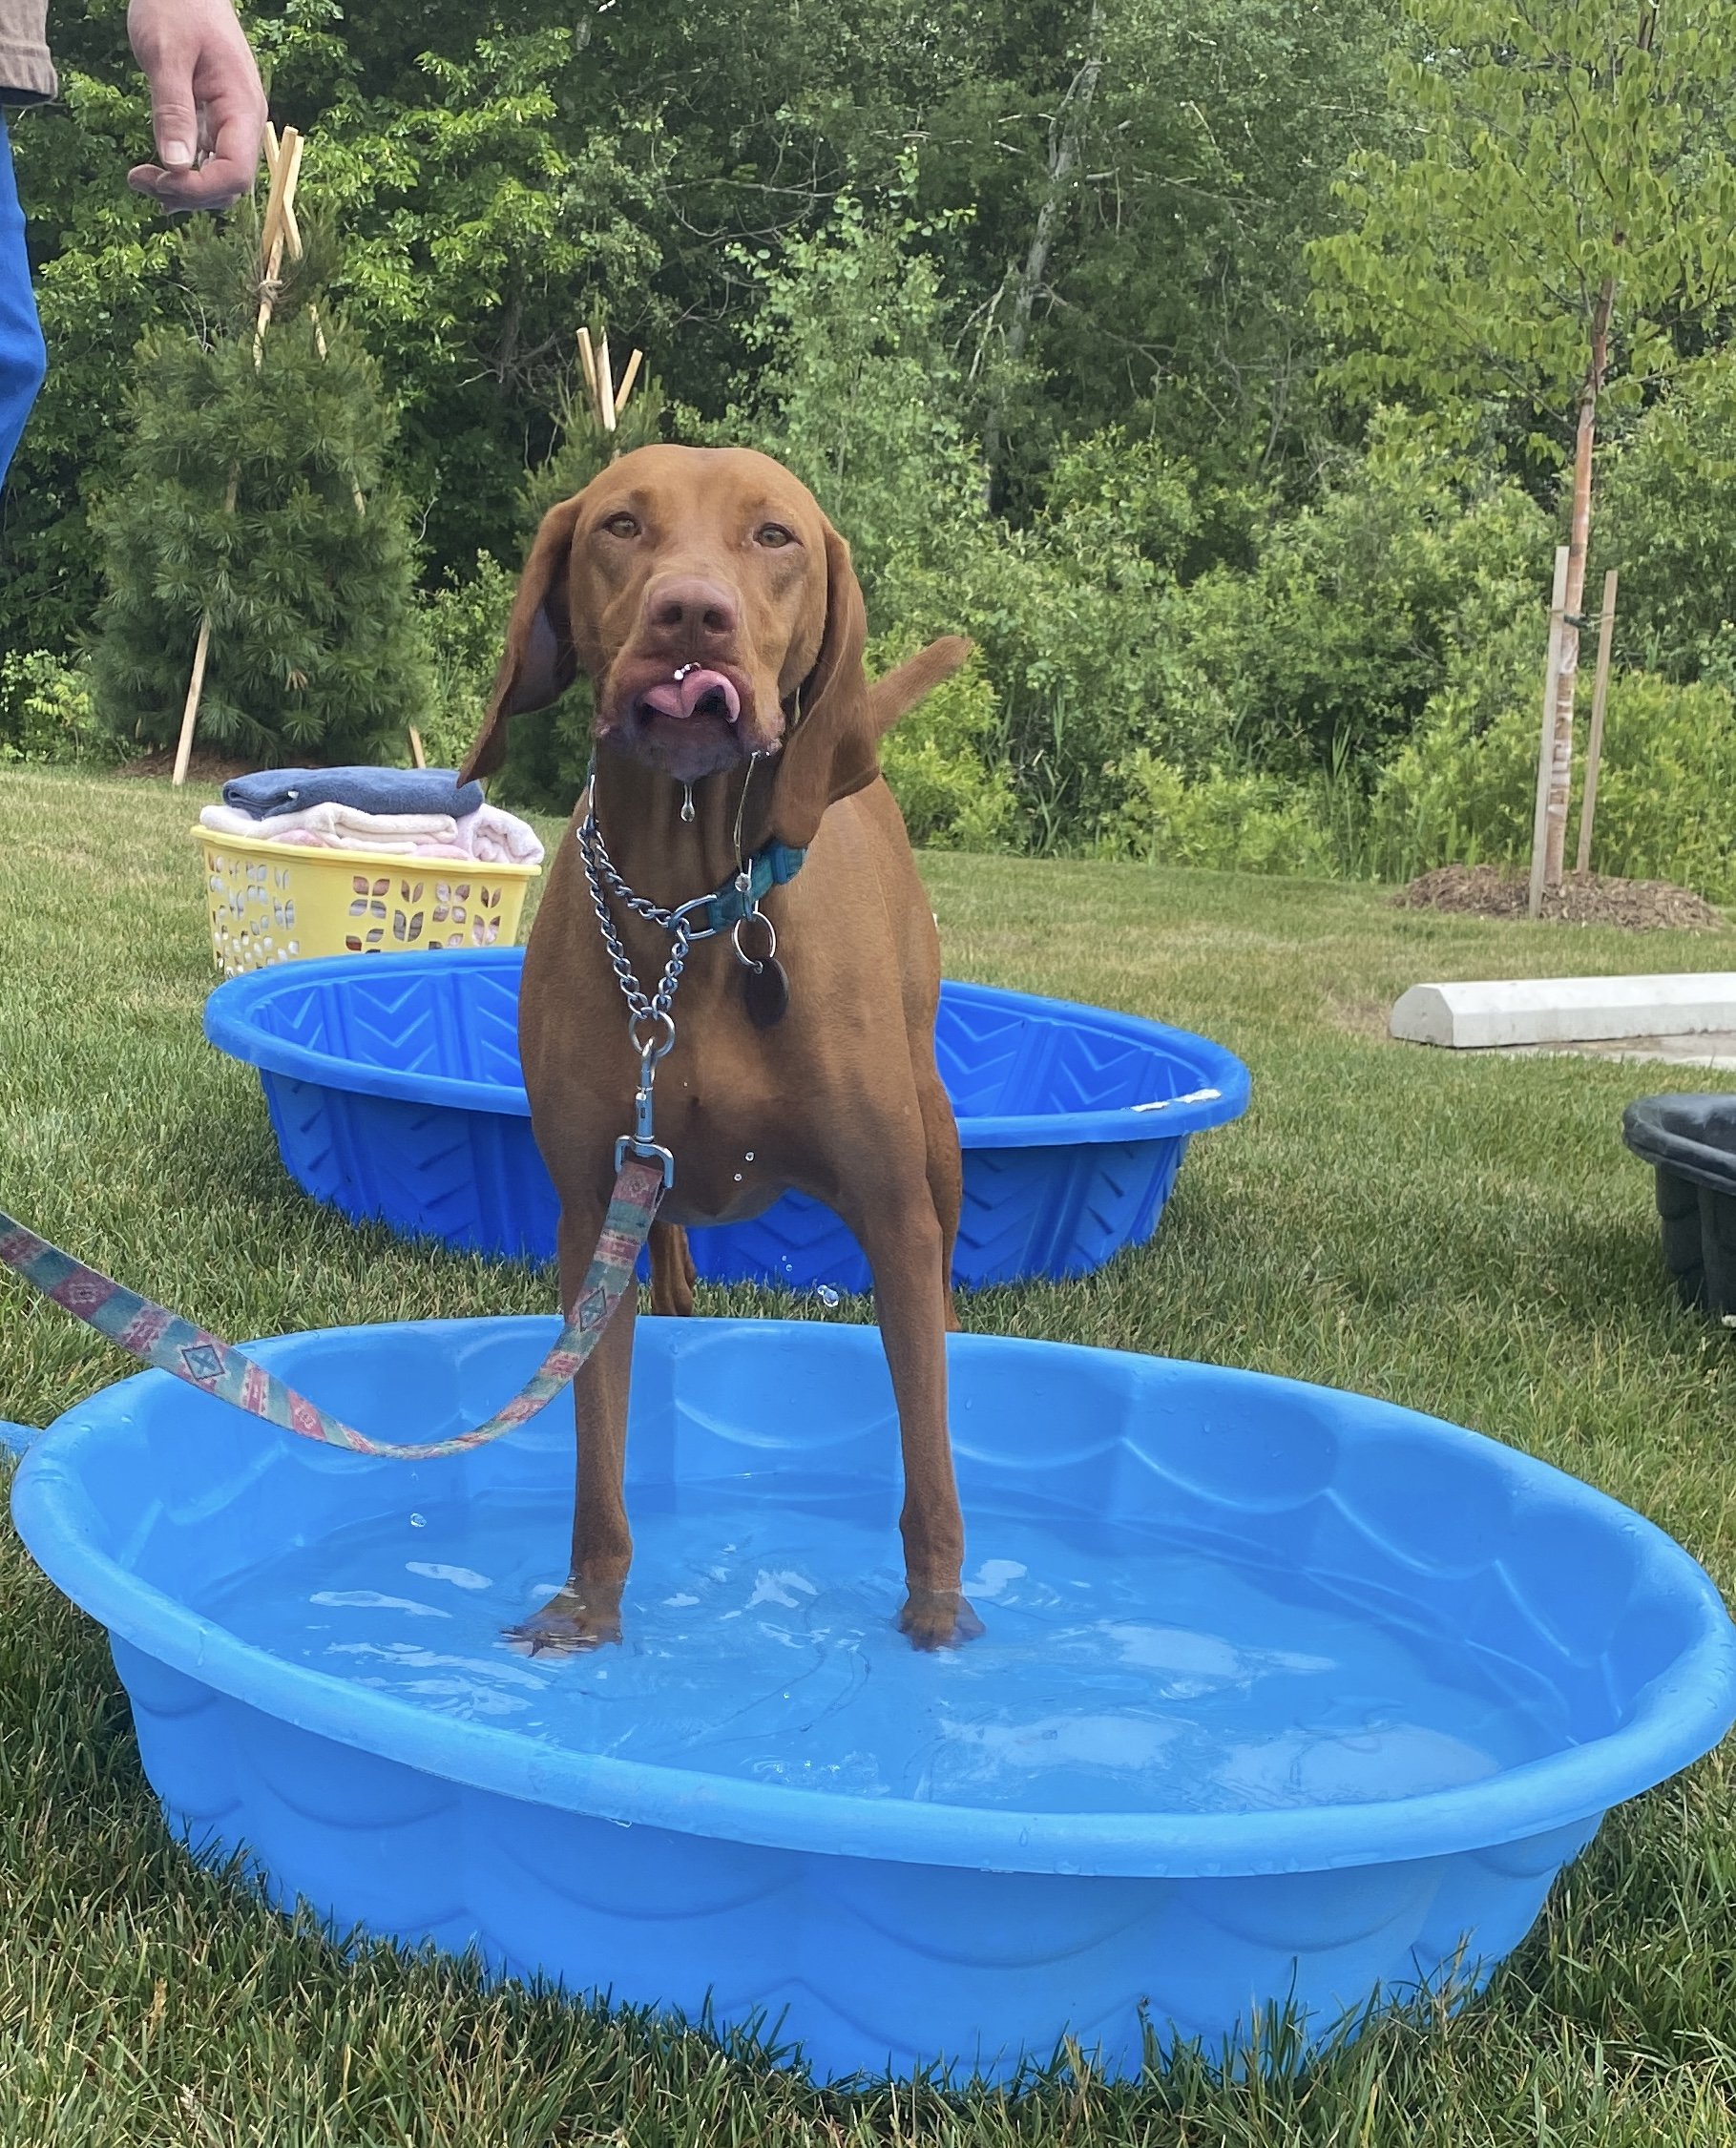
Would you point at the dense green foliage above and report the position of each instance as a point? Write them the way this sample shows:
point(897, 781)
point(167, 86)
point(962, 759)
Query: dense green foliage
point(1213, 367)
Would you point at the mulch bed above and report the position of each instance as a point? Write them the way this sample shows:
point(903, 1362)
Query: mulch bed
point(212, 768)
point(1642, 906)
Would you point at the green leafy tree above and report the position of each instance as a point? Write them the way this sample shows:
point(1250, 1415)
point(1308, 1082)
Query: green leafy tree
point(254, 493)
point(1667, 521)
point(1568, 217)
point(1363, 604)
point(1141, 181)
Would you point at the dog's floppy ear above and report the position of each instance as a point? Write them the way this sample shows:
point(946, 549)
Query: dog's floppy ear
point(830, 749)
point(539, 664)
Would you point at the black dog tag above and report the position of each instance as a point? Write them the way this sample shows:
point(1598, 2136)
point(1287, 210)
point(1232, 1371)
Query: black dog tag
point(765, 992)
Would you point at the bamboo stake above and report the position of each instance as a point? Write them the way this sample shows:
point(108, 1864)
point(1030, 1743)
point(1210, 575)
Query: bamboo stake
point(587, 358)
point(196, 684)
point(1546, 752)
point(275, 235)
point(628, 378)
point(189, 715)
point(274, 149)
point(415, 747)
point(605, 386)
point(1593, 744)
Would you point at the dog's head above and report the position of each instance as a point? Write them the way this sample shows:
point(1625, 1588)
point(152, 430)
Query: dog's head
point(715, 613)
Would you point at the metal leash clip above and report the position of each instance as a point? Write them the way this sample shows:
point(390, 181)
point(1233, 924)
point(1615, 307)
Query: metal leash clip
point(642, 1140)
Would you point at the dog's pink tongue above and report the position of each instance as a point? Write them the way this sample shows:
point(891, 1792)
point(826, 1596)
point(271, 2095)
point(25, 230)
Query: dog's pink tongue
point(699, 683)
point(682, 697)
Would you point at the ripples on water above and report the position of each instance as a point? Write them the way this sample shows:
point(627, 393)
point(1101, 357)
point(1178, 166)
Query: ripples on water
point(1120, 1671)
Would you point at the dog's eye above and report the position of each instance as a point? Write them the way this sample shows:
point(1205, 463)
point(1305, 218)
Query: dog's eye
point(623, 525)
point(774, 537)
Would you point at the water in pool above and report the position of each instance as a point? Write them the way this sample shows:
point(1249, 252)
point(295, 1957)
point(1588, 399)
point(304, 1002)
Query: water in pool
point(1122, 1671)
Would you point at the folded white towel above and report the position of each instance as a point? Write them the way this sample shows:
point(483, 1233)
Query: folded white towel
point(496, 838)
point(344, 826)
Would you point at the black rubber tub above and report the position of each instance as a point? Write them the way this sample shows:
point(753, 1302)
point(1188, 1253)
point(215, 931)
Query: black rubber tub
point(1690, 1141)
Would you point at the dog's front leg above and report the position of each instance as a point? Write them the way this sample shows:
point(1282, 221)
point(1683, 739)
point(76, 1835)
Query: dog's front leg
point(588, 1610)
point(901, 1235)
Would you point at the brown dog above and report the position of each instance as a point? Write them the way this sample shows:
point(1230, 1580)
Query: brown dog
point(715, 612)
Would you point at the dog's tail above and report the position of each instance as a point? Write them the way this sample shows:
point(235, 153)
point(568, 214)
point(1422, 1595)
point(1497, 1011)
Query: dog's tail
point(897, 692)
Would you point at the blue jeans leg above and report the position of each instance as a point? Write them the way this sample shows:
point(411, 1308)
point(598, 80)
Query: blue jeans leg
point(23, 359)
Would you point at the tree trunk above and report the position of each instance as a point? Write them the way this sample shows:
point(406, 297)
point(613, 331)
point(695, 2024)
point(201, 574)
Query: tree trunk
point(1066, 151)
point(1560, 769)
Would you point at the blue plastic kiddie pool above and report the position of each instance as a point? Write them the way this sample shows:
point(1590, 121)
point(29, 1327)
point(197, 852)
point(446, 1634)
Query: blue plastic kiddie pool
point(1288, 1698)
point(395, 1091)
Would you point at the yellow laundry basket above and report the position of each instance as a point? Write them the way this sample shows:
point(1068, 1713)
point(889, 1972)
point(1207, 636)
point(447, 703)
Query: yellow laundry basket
point(272, 902)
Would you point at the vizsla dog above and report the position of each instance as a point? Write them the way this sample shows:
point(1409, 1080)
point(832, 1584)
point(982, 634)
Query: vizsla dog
point(715, 612)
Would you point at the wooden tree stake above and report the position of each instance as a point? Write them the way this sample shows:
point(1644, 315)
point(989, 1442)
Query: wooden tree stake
point(274, 235)
point(189, 715)
point(607, 400)
point(1546, 752)
point(1593, 744)
point(605, 387)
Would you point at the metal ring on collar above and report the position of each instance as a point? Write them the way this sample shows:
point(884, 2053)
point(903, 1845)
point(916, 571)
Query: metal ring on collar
point(653, 1047)
point(681, 919)
point(748, 961)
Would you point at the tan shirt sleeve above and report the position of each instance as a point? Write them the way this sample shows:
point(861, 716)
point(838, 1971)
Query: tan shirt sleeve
point(25, 70)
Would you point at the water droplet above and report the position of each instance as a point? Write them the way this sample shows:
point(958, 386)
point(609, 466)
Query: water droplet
point(418, 1521)
point(738, 1177)
point(750, 1155)
point(828, 1295)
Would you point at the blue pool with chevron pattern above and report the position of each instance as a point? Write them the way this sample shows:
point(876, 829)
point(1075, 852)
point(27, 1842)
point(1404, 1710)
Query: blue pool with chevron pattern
point(395, 1092)
point(1289, 1698)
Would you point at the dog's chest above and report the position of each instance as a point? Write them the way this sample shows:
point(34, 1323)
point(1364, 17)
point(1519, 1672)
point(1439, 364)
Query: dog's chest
point(731, 1140)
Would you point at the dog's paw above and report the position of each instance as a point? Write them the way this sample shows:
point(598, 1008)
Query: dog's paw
point(938, 1618)
point(567, 1625)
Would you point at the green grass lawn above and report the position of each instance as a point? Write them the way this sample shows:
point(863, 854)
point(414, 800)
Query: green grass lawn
point(1469, 1238)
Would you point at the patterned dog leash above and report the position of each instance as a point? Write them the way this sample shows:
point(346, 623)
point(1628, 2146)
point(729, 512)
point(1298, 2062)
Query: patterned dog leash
point(161, 1338)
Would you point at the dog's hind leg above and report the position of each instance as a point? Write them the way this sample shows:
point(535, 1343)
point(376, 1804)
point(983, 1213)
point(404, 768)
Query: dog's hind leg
point(945, 1170)
point(673, 1274)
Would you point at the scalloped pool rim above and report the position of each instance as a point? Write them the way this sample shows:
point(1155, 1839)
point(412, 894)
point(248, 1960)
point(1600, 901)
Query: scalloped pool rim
point(1681, 1712)
point(230, 1026)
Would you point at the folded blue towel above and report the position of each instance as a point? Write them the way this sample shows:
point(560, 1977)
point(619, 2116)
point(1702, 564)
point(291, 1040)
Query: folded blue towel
point(368, 791)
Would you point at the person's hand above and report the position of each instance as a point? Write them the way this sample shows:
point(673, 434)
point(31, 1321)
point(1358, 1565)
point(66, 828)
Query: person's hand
point(207, 108)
